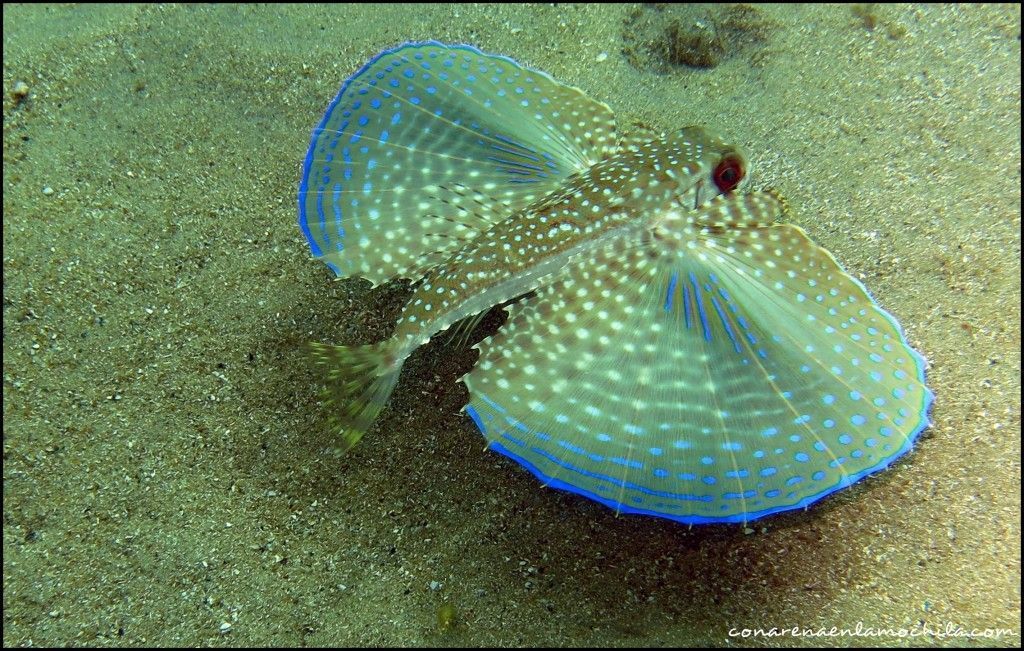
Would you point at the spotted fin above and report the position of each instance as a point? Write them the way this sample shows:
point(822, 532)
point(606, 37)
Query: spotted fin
point(428, 145)
point(713, 370)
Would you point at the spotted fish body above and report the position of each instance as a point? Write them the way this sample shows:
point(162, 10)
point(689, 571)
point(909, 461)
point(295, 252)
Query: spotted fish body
point(678, 352)
point(614, 198)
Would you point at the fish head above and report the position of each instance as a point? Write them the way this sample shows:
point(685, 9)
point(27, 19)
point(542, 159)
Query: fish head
point(707, 166)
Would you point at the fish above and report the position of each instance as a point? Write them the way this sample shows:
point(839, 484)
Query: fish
point(673, 347)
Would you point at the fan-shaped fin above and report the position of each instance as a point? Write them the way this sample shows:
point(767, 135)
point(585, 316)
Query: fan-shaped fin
point(427, 145)
point(718, 368)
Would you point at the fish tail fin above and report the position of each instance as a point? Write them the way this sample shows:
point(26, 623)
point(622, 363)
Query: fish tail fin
point(359, 381)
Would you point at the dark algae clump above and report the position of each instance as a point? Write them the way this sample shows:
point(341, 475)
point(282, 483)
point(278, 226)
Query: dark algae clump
point(662, 37)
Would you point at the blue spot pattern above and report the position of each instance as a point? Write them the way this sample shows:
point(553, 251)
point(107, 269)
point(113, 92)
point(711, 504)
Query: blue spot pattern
point(416, 127)
point(760, 402)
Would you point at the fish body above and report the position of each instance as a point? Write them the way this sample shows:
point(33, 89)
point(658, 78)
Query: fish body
point(678, 352)
point(619, 196)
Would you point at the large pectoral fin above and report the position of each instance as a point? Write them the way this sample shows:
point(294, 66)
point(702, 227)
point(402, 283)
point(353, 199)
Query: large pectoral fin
point(743, 375)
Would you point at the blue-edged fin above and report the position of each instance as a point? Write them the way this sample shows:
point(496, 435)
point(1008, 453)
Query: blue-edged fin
point(359, 381)
point(428, 145)
point(717, 368)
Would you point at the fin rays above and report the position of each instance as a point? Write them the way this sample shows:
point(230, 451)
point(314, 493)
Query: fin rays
point(427, 115)
point(702, 386)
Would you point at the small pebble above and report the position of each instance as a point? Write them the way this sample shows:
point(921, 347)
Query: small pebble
point(47, 190)
point(20, 90)
point(601, 57)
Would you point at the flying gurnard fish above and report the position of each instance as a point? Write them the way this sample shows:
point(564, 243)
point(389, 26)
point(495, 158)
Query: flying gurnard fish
point(675, 350)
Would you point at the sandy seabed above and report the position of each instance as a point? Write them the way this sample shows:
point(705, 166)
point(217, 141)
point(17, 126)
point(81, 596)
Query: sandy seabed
point(168, 475)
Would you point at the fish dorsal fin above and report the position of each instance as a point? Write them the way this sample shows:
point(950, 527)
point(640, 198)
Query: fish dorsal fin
point(721, 376)
point(427, 145)
point(638, 134)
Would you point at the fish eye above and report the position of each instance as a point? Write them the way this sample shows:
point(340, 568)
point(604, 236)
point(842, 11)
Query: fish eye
point(728, 173)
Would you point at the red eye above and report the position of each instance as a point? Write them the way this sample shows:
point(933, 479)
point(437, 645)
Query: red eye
point(729, 173)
